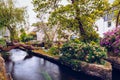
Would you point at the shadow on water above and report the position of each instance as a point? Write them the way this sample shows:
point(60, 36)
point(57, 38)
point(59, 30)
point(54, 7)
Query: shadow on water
point(116, 74)
point(28, 56)
point(24, 66)
point(77, 75)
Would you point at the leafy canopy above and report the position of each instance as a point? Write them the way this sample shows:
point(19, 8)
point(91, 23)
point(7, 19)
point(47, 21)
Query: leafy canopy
point(77, 15)
point(11, 17)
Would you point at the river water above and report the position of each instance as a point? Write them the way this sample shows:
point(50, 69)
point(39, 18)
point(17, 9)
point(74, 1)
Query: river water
point(28, 67)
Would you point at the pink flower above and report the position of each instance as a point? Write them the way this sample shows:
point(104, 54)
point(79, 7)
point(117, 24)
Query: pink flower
point(111, 40)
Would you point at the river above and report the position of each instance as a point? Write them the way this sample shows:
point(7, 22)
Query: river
point(29, 67)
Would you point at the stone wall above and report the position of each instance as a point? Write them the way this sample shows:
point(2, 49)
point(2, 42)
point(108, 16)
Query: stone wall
point(115, 61)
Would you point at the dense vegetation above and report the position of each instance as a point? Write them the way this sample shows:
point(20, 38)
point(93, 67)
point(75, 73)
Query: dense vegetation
point(75, 16)
point(80, 51)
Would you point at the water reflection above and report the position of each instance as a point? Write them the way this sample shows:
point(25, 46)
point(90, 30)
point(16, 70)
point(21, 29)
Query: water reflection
point(24, 67)
point(17, 55)
point(27, 67)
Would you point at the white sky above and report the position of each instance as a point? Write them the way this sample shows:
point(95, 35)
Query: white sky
point(29, 5)
point(111, 1)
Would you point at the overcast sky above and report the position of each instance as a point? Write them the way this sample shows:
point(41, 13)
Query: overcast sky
point(28, 4)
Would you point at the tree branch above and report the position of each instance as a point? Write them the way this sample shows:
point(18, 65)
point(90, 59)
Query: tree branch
point(117, 20)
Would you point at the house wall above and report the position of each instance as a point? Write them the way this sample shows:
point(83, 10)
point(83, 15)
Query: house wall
point(4, 32)
point(103, 26)
point(40, 36)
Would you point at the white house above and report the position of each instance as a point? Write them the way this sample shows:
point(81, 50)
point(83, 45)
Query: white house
point(4, 33)
point(106, 23)
point(104, 26)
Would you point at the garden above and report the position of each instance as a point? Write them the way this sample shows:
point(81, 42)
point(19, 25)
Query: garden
point(68, 36)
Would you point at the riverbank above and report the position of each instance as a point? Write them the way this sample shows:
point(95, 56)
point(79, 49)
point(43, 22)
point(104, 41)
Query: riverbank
point(102, 71)
point(3, 74)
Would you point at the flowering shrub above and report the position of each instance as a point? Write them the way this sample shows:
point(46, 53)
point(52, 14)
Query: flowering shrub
point(88, 52)
point(111, 41)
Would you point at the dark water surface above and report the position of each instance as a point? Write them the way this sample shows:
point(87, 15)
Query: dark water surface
point(24, 67)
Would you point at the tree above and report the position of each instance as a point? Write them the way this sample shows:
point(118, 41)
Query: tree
point(47, 30)
point(11, 17)
point(77, 15)
point(116, 5)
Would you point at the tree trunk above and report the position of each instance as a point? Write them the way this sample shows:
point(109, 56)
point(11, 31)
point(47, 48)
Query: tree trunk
point(82, 31)
point(80, 26)
point(117, 20)
point(13, 33)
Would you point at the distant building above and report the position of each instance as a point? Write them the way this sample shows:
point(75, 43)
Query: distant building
point(41, 35)
point(4, 33)
point(104, 26)
point(107, 23)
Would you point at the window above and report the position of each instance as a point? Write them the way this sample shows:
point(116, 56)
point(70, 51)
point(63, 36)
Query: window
point(109, 24)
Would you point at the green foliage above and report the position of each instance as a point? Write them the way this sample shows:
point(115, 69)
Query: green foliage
point(76, 40)
point(54, 50)
point(10, 17)
point(25, 37)
point(88, 52)
point(92, 35)
point(116, 4)
point(77, 15)
point(2, 42)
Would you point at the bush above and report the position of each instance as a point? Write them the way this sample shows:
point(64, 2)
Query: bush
point(25, 38)
point(88, 52)
point(111, 41)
